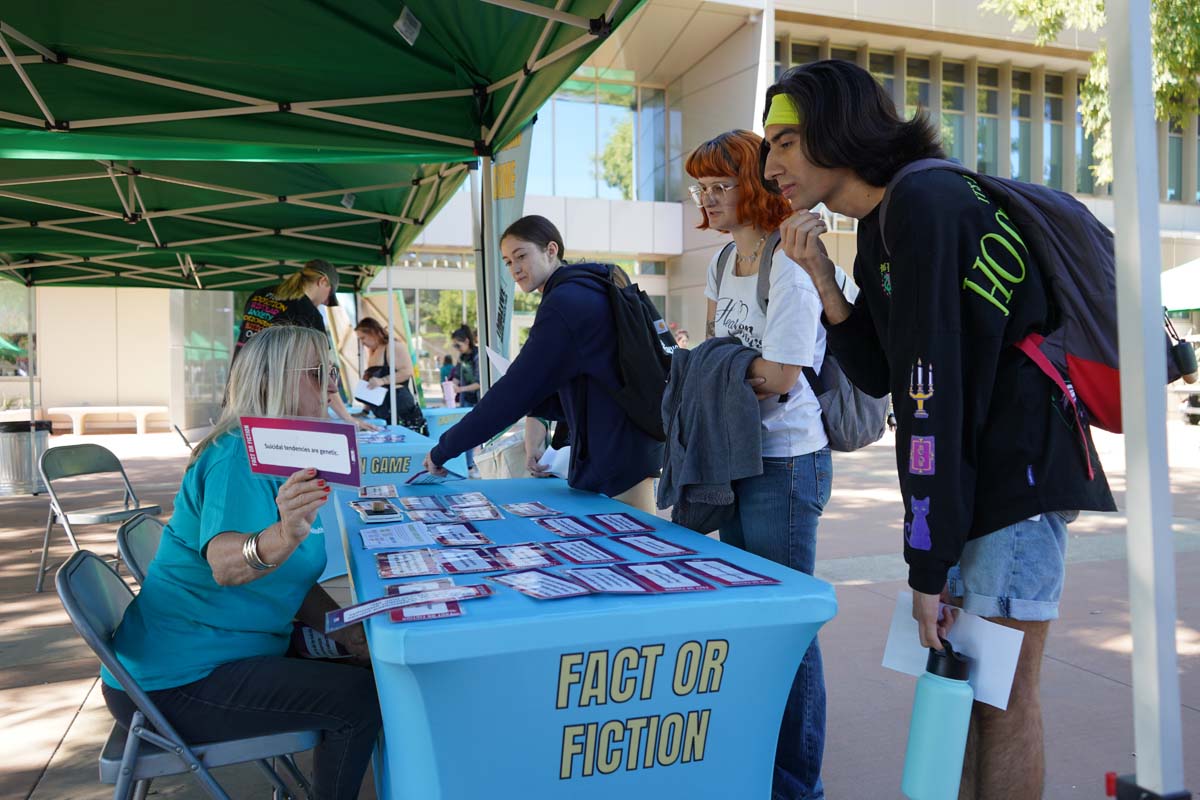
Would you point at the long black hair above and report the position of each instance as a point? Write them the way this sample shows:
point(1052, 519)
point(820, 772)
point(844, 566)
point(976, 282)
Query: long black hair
point(848, 120)
point(463, 333)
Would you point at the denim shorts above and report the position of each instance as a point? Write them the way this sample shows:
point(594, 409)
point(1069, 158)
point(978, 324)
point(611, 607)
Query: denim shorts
point(1016, 572)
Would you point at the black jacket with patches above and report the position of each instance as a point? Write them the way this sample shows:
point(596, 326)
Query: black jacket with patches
point(983, 438)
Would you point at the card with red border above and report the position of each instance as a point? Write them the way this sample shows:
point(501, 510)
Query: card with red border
point(541, 585)
point(459, 560)
point(431, 515)
point(581, 551)
point(476, 513)
point(281, 446)
point(428, 611)
point(465, 500)
point(620, 522)
point(420, 502)
point(372, 492)
point(406, 564)
point(608, 580)
point(721, 571)
point(664, 576)
point(343, 617)
point(653, 546)
point(526, 555)
point(531, 509)
point(457, 534)
point(567, 526)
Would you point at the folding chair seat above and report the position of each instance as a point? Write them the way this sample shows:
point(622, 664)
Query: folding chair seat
point(95, 598)
point(71, 461)
point(137, 543)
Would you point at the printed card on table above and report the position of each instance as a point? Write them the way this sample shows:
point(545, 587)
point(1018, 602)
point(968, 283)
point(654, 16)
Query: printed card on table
point(424, 478)
point(724, 573)
point(541, 585)
point(663, 576)
point(653, 546)
point(372, 492)
point(458, 560)
point(411, 534)
point(523, 556)
point(476, 513)
point(280, 446)
point(421, 503)
point(457, 534)
point(417, 613)
point(343, 617)
point(431, 515)
point(620, 522)
point(533, 509)
point(407, 564)
point(466, 499)
point(581, 551)
point(608, 580)
point(567, 526)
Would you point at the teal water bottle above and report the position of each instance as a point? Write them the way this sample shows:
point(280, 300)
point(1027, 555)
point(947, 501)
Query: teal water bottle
point(937, 734)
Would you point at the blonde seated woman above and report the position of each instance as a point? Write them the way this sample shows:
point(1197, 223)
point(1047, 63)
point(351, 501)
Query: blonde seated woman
point(208, 635)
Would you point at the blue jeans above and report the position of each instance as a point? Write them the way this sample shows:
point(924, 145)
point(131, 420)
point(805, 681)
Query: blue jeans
point(777, 518)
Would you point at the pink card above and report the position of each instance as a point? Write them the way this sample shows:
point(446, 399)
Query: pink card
point(663, 576)
point(281, 446)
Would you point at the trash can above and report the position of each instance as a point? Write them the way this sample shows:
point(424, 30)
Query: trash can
point(18, 465)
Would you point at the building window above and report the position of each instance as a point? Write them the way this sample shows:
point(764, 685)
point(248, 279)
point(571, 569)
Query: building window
point(1174, 161)
point(883, 67)
point(805, 53)
point(1052, 133)
point(954, 104)
point(1020, 134)
point(844, 54)
point(779, 65)
point(651, 268)
point(916, 86)
point(987, 108)
point(604, 139)
point(14, 342)
point(1085, 181)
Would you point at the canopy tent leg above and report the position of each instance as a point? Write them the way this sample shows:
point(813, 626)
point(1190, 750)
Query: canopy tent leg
point(1156, 699)
point(35, 475)
point(391, 343)
point(481, 219)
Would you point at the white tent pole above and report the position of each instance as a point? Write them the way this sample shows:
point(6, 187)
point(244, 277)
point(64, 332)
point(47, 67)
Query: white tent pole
point(37, 98)
point(29, 354)
point(574, 20)
point(1156, 710)
point(391, 342)
point(483, 263)
point(33, 122)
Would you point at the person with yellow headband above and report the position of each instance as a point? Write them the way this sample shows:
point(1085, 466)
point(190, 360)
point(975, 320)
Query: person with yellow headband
point(990, 463)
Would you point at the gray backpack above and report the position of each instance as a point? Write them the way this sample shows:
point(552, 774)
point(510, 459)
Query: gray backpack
point(853, 419)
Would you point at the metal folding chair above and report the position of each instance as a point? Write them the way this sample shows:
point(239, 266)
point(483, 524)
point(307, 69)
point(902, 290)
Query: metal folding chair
point(95, 598)
point(82, 459)
point(137, 542)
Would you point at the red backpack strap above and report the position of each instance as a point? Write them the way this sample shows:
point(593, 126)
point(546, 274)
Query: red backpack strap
point(1031, 346)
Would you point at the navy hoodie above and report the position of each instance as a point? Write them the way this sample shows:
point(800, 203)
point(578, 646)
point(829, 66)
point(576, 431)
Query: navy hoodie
point(565, 371)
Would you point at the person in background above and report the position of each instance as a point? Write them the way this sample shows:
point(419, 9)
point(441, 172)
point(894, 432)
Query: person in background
point(378, 372)
point(447, 368)
point(991, 463)
point(207, 636)
point(566, 370)
point(466, 383)
point(682, 339)
point(777, 511)
point(294, 302)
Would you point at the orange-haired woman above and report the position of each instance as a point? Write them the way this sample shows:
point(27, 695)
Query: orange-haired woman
point(777, 511)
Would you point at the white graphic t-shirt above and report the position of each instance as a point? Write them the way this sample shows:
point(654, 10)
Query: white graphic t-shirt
point(789, 333)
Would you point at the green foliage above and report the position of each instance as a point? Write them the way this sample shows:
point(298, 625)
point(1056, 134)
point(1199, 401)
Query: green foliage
point(1175, 44)
point(616, 162)
point(442, 319)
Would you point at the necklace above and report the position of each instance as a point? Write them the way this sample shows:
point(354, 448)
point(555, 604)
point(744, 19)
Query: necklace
point(753, 257)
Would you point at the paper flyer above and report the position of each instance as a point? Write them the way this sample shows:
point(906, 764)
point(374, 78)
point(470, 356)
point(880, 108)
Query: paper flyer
point(567, 526)
point(663, 576)
point(541, 585)
point(724, 573)
point(343, 617)
point(458, 560)
point(531, 510)
point(364, 392)
point(280, 446)
point(375, 492)
point(409, 534)
point(523, 556)
point(407, 564)
point(581, 551)
point(556, 462)
point(608, 580)
point(653, 546)
point(620, 522)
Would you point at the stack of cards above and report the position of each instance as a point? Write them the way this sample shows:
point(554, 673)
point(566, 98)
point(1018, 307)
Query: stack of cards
point(377, 510)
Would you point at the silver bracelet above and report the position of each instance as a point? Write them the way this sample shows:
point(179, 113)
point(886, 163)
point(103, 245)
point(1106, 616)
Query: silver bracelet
point(251, 556)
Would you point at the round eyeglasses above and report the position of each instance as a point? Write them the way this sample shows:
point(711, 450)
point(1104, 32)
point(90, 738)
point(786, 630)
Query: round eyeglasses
point(718, 192)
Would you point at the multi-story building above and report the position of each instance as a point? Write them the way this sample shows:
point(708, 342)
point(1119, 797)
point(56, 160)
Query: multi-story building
point(607, 167)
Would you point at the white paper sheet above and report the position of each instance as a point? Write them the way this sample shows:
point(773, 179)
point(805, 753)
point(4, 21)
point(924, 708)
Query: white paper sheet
point(364, 392)
point(993, 650)
point(499, 363)
point(556, 462)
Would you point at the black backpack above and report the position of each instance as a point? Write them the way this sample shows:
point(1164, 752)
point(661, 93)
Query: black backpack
point(644, 349)
point(852, 418)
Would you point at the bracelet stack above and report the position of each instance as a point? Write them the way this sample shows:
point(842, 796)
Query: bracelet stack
point(251, 556)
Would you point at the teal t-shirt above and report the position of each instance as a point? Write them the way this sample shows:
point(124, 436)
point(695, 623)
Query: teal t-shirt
point(182, 625)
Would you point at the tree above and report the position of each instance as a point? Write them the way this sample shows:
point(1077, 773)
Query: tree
point(616, 160)
point(1174, 42)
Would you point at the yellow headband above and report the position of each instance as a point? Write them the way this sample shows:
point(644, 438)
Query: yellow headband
point(783, 111)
